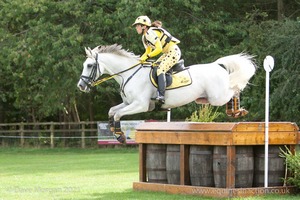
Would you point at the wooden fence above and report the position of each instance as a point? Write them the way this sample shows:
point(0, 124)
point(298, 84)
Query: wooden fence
point(49, 134)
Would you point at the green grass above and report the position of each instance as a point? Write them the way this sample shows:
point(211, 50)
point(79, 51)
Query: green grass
point(78, 174)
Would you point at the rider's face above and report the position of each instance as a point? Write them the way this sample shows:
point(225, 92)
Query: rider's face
point(139, 28)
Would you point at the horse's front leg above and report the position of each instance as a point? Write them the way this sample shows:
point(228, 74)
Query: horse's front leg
point(133, 108)
point(114, 109)
point(111, 114)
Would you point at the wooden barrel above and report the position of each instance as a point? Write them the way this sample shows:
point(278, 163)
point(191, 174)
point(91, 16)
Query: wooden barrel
point(173, 164)
point(156, 163)
point(244, 166)
point(200, 165)
point(220, 166)
point(276, 165)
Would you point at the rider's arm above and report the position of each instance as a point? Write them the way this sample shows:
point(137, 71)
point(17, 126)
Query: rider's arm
point(153, 37)
point(148, 50)
point(157, 50)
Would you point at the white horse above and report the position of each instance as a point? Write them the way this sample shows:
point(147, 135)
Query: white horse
point(215, 83)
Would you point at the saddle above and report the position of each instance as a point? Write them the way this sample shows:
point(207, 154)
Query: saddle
point(178, 76)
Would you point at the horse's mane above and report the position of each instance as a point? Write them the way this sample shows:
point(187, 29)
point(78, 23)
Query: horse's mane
point(115, 49)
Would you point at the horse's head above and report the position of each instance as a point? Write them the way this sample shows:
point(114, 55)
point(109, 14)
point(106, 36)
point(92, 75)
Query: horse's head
point(91, 71)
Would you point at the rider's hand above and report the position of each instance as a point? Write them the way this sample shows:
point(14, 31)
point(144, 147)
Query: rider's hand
point(144, 58)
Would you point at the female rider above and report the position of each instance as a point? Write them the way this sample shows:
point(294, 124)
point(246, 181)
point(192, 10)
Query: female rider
point(157, 40)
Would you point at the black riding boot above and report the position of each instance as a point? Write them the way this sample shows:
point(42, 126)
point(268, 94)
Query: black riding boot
point(161, 81)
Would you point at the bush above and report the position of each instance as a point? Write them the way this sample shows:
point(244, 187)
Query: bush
point(205, 114)
point(293, 165)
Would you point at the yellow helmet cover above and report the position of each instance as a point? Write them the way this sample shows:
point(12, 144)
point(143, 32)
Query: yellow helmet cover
point(142, 20)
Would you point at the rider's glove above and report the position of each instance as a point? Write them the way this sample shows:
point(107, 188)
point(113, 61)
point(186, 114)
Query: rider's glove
point(144, 58)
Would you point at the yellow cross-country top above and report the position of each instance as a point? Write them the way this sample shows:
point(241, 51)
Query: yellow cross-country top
point(157, 40)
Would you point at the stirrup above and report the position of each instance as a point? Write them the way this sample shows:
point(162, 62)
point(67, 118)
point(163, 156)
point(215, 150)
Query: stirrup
point(160, 99)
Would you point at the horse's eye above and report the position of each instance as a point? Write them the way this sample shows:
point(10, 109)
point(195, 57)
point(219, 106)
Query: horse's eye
point(90, 65)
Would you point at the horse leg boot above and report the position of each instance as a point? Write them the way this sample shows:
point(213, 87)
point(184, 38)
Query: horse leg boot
point(161, 81)
point(118, 132)
point(111, 123)
point(233, 108)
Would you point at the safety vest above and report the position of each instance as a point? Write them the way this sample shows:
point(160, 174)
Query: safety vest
point(155, 33)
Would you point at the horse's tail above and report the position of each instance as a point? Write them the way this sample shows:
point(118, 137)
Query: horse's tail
point(240, 67)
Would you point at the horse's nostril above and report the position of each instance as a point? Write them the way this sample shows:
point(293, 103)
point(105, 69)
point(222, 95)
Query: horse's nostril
point(80, 86)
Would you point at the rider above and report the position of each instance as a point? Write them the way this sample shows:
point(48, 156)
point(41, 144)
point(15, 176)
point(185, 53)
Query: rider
point(157, 40)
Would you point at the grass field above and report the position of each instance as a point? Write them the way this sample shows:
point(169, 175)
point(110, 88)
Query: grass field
point(36, 174)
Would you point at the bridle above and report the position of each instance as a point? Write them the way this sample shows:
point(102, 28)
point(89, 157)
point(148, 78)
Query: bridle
point(89, 80)
point(92, 81)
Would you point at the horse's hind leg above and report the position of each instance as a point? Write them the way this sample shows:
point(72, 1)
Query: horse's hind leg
point(220, 99)
point(233, 108)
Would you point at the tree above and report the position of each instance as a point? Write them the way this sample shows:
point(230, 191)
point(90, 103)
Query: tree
point(42, 51)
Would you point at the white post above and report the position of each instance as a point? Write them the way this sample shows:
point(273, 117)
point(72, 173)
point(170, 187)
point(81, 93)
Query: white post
point(268, 66)
point(169, 115)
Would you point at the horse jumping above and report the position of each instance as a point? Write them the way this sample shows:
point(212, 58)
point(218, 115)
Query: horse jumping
point(216, 83)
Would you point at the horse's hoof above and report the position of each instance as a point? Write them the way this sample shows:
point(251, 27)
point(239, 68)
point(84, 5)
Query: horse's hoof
point(121, 138)
point(241, 113)
point(238, 113)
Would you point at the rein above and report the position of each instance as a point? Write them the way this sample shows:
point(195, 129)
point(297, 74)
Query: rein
point(112, 76)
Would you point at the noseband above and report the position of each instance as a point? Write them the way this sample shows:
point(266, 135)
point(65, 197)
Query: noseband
point(89, 80)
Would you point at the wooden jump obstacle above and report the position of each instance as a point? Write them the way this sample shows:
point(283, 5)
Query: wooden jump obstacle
point(234, 139)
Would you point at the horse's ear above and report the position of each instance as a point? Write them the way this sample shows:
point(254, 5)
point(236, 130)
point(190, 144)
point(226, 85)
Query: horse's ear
point(88, 53)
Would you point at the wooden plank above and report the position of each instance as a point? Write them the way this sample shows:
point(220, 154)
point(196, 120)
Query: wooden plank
point(184, 165)
point(249, 133)
point(164, 137)
point(216, 138)
point(142, 163)
point(212, 192)
point(260, 126)
point(210, 126)
point(230, 171)
point(258, 138)
point(185, 126)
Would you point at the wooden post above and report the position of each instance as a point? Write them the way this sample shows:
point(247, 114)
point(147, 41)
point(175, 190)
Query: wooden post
point(83, 136)
point(52, 135)
point(184, 165)
point(22, 141)
point(230, 174)
point(142, 159)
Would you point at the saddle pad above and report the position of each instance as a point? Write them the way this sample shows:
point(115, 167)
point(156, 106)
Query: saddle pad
point(177, 80)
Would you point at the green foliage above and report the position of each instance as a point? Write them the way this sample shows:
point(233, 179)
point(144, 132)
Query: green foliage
point(281, 40)
point(42, 51)
point(293, 165)
point(205, 113)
